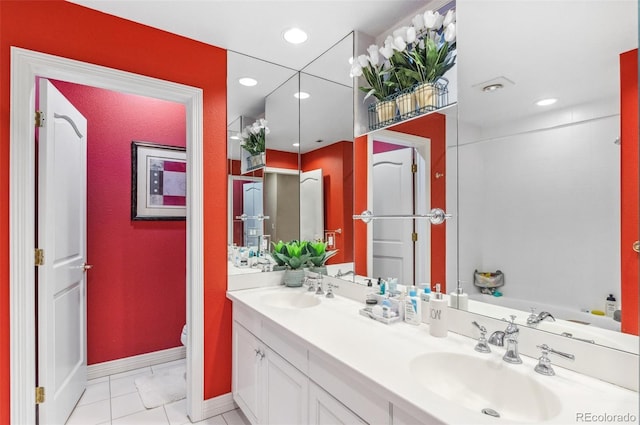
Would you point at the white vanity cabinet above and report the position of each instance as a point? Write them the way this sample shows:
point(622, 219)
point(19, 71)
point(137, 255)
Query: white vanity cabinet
point(268, 389)
point(247, 364)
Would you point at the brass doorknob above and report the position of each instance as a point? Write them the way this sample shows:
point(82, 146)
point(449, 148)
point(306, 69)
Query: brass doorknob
point(86, 266)
point(636, 246)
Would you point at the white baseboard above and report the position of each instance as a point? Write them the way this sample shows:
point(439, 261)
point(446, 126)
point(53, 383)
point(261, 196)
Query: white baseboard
point(218, 405)
point(99, 370)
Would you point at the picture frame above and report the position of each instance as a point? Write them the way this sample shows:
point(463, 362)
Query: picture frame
point(158, 182)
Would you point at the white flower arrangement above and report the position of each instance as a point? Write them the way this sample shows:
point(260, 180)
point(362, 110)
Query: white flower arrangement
point(254, 135)
point(420, 53)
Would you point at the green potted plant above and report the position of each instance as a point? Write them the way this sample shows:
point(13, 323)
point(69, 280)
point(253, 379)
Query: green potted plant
point(294, 255)
point(278, 249)
point(318, 256)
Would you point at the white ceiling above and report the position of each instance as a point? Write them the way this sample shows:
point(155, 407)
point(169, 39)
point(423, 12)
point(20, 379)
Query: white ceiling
point(252, 32)
point(566, 49)
point(255, 27)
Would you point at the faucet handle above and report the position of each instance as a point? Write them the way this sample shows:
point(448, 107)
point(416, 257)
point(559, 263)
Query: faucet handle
point(319, 290)
point(482, 345)
point(544, 363)
point(330, 287)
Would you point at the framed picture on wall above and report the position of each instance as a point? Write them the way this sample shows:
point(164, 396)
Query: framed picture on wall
point(158, 182)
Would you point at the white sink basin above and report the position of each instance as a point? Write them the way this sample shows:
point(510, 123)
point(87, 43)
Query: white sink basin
point(476, 384)
point(291, 299)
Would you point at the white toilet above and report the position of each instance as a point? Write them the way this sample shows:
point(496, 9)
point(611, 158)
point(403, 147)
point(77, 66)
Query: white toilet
point(183, 336)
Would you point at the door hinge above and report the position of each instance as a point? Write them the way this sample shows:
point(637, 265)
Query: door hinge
point(414, 237)
point(39, 119)
point(39, 395)
point(39, 257)
point(414, 168)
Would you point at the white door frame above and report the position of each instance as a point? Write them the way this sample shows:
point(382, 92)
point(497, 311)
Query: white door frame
point(26, 65)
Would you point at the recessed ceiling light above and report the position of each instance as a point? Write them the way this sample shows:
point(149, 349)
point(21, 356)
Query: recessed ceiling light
point(546, 102)
point(492, 87)
point(301, 95)
point(234, 137)
point(247, 81)
point(295, 36)
point(296, 144)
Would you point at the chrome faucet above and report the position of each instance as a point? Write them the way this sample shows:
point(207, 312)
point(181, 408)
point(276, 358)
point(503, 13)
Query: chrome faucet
point(534, 318)
point(544, 364)
point(340, 274)
point(511, 335)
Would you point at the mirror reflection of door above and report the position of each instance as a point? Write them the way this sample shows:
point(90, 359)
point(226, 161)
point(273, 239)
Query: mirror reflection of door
point(243, 200)
point(400, 167)
point(252, 207)
point(281, 205)
point(311, 205)
point(393, 254)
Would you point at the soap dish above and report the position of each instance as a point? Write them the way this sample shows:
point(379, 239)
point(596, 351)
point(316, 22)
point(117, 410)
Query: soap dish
point(366, 311)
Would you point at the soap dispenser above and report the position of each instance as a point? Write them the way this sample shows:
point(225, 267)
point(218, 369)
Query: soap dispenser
point(438, 314)
point(459, 299)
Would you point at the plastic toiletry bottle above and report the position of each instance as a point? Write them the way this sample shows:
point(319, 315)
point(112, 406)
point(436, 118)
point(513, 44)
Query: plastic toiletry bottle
point(610, 306)
point(438, 314)
point(392, 285)
point(412, 308)
point(459, 299)
point(424, 301)
point(383, 286)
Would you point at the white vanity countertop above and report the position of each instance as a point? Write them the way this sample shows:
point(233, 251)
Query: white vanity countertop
point(383, 353)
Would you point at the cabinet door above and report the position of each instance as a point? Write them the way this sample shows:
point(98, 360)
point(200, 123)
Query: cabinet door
point(285, 392)
point(246, 372)
point(326, 410)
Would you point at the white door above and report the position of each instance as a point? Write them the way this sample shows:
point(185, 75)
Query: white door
point(62, 192)
point(311, 205)
point(252, 206)
point(393, 195)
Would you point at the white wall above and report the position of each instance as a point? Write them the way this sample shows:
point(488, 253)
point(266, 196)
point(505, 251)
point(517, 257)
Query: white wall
point(543, 206)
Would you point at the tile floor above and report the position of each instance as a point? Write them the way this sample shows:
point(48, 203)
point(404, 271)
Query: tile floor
point(114, 400)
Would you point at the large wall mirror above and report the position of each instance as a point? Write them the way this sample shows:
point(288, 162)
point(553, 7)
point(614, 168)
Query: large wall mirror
point(402, 170)
point(539, 186)
point(303, 190)
point(326, 152)
point(253, 186)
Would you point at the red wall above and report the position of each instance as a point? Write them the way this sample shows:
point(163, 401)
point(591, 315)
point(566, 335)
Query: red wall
point(68, 30)
point(431, 126)
point(136, 300)
point(629, 232)
point(336, 162)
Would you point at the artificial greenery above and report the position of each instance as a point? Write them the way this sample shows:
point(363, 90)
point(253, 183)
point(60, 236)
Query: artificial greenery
point(293, 254)
point(318, 254)
point(428, 61)
point(254, 136)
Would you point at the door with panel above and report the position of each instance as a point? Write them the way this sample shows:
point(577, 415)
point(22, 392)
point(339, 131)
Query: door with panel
point(61, 241)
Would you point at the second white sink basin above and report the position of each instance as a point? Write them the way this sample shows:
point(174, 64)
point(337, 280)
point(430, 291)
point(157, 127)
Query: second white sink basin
point(291, 299)
point(486, 386)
